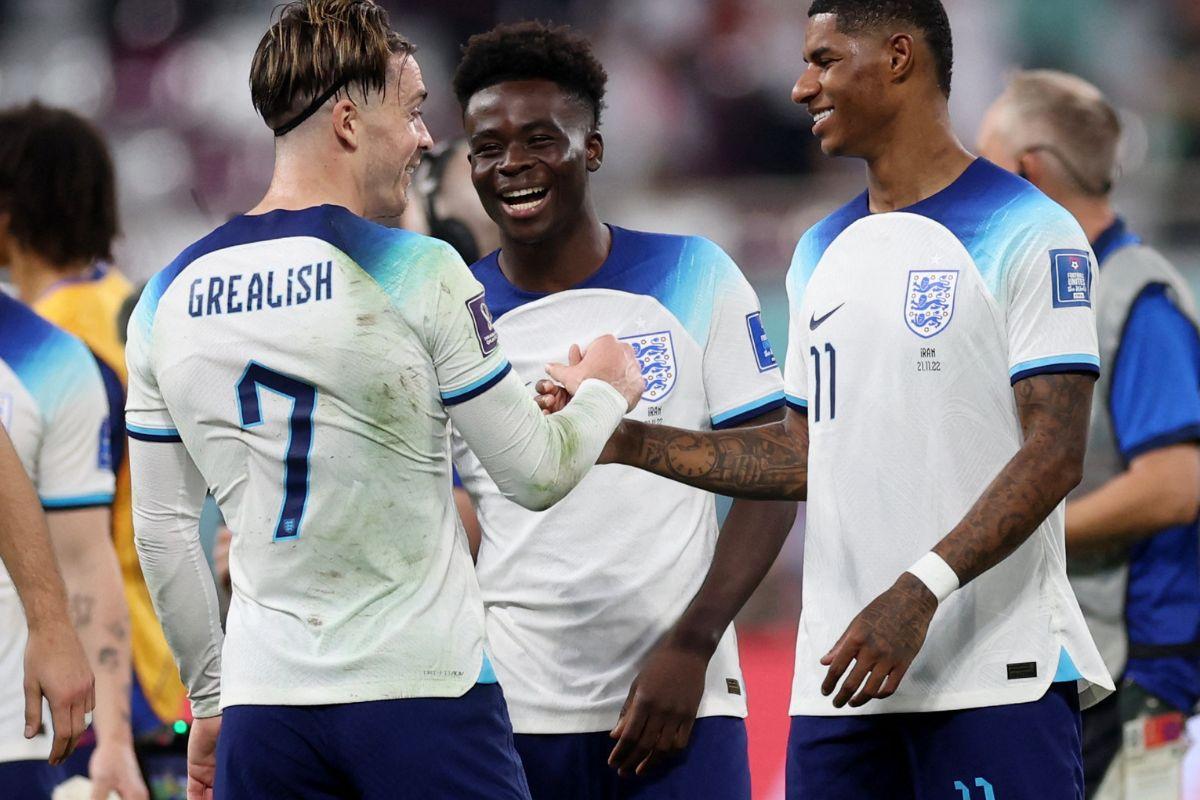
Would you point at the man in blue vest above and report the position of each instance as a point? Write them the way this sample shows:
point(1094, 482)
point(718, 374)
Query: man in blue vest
point(1132, 543)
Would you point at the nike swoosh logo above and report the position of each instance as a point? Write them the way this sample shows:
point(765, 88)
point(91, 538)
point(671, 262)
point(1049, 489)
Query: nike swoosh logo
point(815, 323)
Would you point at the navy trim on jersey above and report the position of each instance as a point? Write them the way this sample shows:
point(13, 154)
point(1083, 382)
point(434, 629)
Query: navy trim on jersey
point(152, 434)
point(359, 238)
point(1066, 367)
point(479, 387)
point(796, 403)
point(757, 409)
point(96, 500)
point(116, 412)
point(637, 262)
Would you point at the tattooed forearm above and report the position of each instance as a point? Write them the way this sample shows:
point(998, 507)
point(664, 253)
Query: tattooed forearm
point(81, 609)
point(768, 462)
point(1054, 412)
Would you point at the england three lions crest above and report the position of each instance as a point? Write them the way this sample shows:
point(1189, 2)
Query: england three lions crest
point(929, 301)
point(656, 352)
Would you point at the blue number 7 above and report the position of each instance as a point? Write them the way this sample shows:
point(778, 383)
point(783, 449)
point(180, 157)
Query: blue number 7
point(300, 430)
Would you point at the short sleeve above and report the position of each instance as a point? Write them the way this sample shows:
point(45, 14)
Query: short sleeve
point(75, 461)
point(146, 415)
point(463, 343)
point(741, 376)
point(1155, 393)
point(795, 371)
point(1050, 323)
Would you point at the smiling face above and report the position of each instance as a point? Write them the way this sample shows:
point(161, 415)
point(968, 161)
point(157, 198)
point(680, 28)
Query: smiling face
point(531, 145)
point(394, 139)
point(845, 87)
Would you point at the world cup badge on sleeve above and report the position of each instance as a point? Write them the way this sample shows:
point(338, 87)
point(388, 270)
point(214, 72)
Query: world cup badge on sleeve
point(1072, 278)
point(482, 317)
point(929, 301)
point(656, 353)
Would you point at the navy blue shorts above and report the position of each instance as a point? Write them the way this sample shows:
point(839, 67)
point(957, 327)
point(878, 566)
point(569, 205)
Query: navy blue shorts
point(429, 748)
point(29, 780)
point(575, 766)
point(1027, 751)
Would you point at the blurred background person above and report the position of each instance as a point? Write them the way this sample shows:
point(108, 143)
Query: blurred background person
point(1132, 539)
point(58, 220)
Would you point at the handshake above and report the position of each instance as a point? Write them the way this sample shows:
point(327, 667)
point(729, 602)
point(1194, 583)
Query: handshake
point(607, 359)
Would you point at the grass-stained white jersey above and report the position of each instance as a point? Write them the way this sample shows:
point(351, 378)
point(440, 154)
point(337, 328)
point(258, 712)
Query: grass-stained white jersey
point(309, 362)
point(908, 330)
point(55, 409)
point(578, 594)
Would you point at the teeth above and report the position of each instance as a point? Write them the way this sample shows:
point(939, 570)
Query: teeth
point(520, 193)
point(822, 115)
point(524, 206)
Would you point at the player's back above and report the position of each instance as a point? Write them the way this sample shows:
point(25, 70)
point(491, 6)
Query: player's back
point(292, 354)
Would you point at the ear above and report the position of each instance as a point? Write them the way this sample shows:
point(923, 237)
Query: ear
point(595, 151)
point(1032, 167)
point(347, 123)
point(901, 53)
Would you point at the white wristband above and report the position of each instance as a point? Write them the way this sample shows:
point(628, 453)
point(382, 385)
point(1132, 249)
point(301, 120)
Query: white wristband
point(936, 574)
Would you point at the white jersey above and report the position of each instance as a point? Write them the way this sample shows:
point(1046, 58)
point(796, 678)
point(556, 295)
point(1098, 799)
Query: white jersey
point(577, 595)
point(55, 409)
point(309, 363)
point(908, 330)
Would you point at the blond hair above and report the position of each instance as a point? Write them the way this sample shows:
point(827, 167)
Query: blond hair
point(319, 47)
point(1068, 116)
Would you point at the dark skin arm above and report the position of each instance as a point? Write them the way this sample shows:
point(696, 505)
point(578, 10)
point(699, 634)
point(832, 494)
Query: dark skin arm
point(886, 636)
point(656, 721)
point(764, 462)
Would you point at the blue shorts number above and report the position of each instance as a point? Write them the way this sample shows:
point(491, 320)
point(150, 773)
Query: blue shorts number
point(300, 429)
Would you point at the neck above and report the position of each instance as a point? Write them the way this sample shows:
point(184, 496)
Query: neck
point(559, 261)
point(920, 157)
point(33, 275)
point(307, 176)
point(1094, 214)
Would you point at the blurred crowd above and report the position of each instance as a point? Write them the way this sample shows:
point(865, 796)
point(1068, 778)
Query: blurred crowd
point(701, 132)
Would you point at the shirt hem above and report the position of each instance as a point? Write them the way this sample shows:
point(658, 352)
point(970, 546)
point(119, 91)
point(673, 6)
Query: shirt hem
point(301, 696)
point(899, 704)
point(568, 722)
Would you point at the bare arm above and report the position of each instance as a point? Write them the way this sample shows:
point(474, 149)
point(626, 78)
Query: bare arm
point(1160, 489)
point(765, 462)
point(55, 665)
point(886, 636)
point(661, 708)
point(83, 546)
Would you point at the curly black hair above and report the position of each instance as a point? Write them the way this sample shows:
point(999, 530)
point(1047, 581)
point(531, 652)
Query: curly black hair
point(532, 51)
point(929, 16)
point(57, 184)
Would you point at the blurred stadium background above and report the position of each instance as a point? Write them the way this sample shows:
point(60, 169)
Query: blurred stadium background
point(701, 137)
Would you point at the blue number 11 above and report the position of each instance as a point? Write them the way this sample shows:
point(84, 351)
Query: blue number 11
point(300, 430)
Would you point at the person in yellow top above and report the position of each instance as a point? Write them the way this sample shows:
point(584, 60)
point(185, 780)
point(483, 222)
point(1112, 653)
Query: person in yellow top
point(58, 215)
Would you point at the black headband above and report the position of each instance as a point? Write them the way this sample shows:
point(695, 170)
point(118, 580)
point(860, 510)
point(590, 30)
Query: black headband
point(310, 109)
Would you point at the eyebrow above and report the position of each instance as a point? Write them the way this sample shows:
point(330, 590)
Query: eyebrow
point(820, 52)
